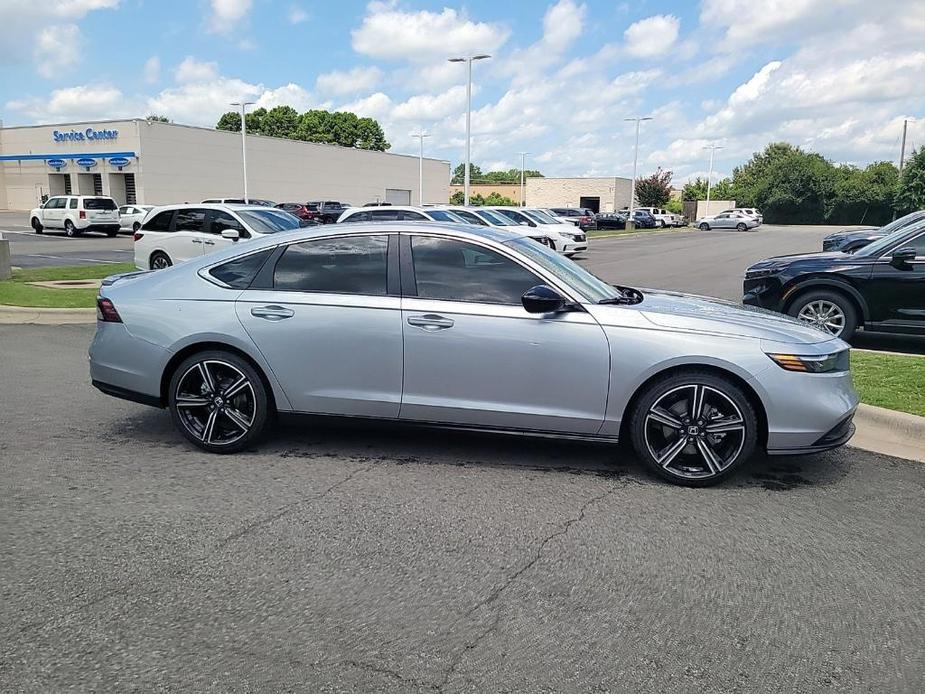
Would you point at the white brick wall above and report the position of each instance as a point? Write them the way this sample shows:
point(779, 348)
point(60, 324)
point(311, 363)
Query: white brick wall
point(613, 192)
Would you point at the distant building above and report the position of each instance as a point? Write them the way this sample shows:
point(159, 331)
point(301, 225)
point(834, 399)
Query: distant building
point(601, 194)
point(507, 190)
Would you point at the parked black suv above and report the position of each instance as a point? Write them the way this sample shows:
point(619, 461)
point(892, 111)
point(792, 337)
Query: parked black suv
point(850, 240)
point(327, 211)
point(879, 287)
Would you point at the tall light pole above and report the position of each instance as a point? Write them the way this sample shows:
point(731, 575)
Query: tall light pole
point(638, 120)
point(421, 134)
point(902, 151)
point(523, 199)
point(468, 60)
point(243, 105)
point(712, 147)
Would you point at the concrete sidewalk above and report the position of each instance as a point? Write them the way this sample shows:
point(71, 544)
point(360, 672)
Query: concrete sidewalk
point(46, 316)
point(888, 432)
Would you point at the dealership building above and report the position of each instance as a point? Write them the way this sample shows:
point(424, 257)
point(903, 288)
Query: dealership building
point(149, 162)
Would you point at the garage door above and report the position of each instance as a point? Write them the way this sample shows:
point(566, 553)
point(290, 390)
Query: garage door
point(397, 196)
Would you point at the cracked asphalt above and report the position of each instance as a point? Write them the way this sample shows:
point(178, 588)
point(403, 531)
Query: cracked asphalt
point(374, 559)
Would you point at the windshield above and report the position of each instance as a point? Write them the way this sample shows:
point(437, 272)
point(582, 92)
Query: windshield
point(570, 273)
point(903, 222)
point(269, 221)
point(493, 218)
point(878, 246)
point(445, 216)
point(515, 217)
point(540, 217)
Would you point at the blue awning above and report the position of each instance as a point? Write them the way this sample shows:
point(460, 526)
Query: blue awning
point(79, 155)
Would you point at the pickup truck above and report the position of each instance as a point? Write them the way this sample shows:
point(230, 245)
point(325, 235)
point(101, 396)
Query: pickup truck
point(327, 211)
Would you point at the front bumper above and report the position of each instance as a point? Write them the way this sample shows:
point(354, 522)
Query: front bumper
point(763, 292)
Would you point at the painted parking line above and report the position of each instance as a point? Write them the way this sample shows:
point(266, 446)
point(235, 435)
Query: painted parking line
point(71, 257)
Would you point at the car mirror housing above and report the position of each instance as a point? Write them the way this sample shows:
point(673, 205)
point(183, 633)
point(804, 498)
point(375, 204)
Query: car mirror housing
point(542, 299)
point(903, 255)
point(232, 234)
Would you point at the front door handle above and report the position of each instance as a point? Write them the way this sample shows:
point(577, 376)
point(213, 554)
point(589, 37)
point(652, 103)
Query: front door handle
point(209, 243)
point(431, 322)
point(197, 240)
point(273, 313)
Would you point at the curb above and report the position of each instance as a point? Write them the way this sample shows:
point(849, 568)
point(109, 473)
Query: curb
point(888, 432)
point(25, 315)
point(630, 234)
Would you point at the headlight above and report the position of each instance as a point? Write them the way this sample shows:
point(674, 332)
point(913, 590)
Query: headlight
point(757, 273)
point(821, 364)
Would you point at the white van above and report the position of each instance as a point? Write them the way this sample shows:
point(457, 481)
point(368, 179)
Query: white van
point(76, 214)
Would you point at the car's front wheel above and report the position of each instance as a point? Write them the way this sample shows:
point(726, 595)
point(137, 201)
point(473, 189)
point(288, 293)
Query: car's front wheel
point(37, 226)
point(218, 401)
point(827, 310)
point(694, 428)
point(704, 226)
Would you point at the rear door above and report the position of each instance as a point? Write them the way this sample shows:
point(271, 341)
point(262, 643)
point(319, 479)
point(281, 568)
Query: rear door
point(327, 317)
point(896, 291)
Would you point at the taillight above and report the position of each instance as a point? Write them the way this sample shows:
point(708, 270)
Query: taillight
point(137, 236)
point(106, 312)
point(82, 214)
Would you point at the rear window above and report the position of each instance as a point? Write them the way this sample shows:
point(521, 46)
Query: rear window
point(240, 272)
point(269, 221)
point(159, 222)
point(99, 204)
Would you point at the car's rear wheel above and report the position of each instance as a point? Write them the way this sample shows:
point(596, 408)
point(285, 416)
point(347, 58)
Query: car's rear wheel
point(111, 234)
point(69, 229)
point(704, 226)
point(694, 428)
point(827, 310)
point(160, 261)
point(741, 226)
point(218, 401)
point(37, 226)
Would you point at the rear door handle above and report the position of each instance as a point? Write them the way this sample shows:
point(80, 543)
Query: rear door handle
point(431, 322)
point(197, 240)
point(209, 243)
point(273, 313)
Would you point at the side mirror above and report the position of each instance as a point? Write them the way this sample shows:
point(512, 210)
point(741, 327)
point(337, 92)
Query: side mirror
point(232, 234)
point(903, 255)
point(542, 299)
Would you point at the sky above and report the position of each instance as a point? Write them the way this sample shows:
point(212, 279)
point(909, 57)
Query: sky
point(836, 77)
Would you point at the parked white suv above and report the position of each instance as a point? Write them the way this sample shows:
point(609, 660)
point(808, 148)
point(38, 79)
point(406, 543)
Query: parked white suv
point(174, 233)
point(563, 237)
point(663, 218)
point(76, 214)
point(395, 213)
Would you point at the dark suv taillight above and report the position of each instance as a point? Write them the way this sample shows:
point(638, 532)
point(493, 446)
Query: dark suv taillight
point(106, 311)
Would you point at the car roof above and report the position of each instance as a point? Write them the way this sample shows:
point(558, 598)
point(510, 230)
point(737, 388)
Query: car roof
point(225, 206)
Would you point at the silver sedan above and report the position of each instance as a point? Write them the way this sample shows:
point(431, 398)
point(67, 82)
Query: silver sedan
point(728, 220)
point(471, 327)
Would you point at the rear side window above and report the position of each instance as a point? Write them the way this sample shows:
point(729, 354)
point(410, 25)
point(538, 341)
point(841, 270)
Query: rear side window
point(412, 216)
point(385, 215)
point(344, 265)
point(471, 218)
point(358, 217)
point(442, 216)
point(99, 204)
point(190, 220)
point(240, 272)
point(159, 222)
point(72, 204)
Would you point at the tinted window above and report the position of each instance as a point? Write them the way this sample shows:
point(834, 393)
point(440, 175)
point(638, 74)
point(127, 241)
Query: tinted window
point(384, 215)
point(223, 220)
point(212, 200)
point(458, 271)
point(235, 201)
point(159, 222)
point(269, 221)
point(411, 216)
point(494, 218)
point(190, 220)
point(918, 244)
point(240, 272)
point(442, 216)
point(540, 217)
point(358, 217)
point(72, 203)
point(99, 204)
point(515, 217)
point(469, 217)
point(346, 265)
point(313, 206)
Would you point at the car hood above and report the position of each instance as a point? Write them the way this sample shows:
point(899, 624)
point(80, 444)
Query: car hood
point(700, 313)
point(852, 233)
point(787, 259)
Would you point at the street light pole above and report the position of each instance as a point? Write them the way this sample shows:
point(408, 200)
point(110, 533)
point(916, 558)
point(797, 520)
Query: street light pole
point(421, 134)
point(638, 120)
point(468, 60)
point(712, 147)
point(902, 151)
point(243, 105)
point(523, 200)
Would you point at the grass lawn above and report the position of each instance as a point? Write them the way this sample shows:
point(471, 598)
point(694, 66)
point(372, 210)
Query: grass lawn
point(893, 381)
point(15, 291)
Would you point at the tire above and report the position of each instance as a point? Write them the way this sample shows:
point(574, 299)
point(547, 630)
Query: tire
point(160, 261)
point(135, 227)
point(69, 229)
point(37, 226)
point(741, 226)
point(689, 454)
point(704, 226)
point(111, 234)
point(206, 414)
point(661, 224)
point(827, 309)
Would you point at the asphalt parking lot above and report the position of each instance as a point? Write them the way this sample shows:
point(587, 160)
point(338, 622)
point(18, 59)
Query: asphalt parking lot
point(356, 559)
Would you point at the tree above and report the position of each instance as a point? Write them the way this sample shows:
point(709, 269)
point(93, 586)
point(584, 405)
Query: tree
point(654, 190)
point(157, 119)
point(911, 194)
point(459, 173)
point(280, 121)
point(458, 198)
point(231, 120)
point(496, 199)
point(476, 175)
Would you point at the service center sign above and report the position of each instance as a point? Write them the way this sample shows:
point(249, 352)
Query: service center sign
point(84, 135)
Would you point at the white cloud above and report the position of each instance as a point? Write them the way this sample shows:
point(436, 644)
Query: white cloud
point(227, 14)
point(288, 95)
point(152, 70)
point(201, 103)
point(341, 82)
point(392, 34)
point(428, 107)
point(75, 9)
point(57, 49)
point(297, 15)
point(84, 102)
point(192, 70)
point(747, 22)
point(563, 23)
point(651, 37)
point(376, 106)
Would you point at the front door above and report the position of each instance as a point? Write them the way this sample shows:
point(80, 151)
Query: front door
point(474, 356)
point(329, 327)
point(896, 292)
point(53, 213)
point(216, 222)
point(187, 240)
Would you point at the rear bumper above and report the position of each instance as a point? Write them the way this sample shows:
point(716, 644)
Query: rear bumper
point(101, 226)
point(126, 394)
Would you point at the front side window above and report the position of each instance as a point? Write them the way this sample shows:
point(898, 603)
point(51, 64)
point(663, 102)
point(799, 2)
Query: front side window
point(494, 218)
point(471, 218)
point(159, 222)
point(358, 217)
point(453, 270)
point(190, 220)
point(222, 220)
point(443, 216)
point(412, 216)
point(240, 272)
point(540, 217)
point(343, 265)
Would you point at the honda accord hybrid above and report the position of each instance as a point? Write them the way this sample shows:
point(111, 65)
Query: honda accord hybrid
point(471, 327)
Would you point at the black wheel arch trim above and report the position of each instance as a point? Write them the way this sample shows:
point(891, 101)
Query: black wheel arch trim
point(792, 293)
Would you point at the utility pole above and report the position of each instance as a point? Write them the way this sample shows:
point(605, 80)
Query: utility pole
point(243, 105)
point(631, 219)
point(902, 151)
point(421, 134)
point(468, 60)
point(712, 147)
point(523, 200)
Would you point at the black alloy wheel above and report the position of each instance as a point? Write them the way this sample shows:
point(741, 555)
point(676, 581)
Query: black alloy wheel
point(160, 261)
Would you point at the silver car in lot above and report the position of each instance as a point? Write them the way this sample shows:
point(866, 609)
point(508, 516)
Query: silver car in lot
point(728, 220)
point(465, 326)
